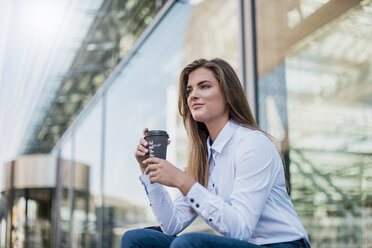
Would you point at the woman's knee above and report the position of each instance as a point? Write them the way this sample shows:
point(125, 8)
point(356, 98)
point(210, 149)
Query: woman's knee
point(129, 238)
point(145, 238)
point(186, 240)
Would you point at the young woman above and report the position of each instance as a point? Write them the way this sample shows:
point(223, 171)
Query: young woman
point(234, 179)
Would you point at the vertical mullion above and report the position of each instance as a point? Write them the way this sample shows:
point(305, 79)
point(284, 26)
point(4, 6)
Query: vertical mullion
point(71, 190)
point(103, 145)
point(8, 239)
point(254, 59)
point(249, 53)
point(242, 44)
point(58, 196)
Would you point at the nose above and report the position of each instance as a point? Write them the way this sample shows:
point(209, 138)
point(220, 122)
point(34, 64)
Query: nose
point(193, 95)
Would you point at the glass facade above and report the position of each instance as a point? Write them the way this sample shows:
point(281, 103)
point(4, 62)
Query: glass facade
point(314, 66)
point(114, 32)
point(143, 94)
point(313, 95)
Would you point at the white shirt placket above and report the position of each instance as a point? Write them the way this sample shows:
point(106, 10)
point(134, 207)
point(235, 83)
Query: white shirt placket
point(211, 181)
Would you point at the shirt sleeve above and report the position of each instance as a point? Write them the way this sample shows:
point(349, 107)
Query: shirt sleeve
point(256, 165)
point(173, 216)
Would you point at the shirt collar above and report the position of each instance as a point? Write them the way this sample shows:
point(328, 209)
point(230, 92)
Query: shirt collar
point(222, 138)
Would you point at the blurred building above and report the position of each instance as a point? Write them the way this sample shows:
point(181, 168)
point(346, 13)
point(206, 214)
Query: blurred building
point(306, 66)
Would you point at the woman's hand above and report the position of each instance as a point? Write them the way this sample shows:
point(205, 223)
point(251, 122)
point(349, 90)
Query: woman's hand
point(141, 151)
point(163, 172)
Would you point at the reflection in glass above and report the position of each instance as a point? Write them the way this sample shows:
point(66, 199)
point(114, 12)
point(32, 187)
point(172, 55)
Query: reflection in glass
point(78, 227)
point(32, 218)
point(321, 63)
point(2, 232)
point(116, 28)
point(88, 144)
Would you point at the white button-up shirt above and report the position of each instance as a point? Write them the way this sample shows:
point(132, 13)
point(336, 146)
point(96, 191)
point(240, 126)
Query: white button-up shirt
point(246, 197)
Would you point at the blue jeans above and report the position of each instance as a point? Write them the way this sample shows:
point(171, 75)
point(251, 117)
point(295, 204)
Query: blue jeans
point(146, 238)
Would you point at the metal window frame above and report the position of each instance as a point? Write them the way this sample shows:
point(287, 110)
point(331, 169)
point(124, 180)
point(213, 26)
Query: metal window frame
point(9, 223)
point(248, 51)
point(57, 202)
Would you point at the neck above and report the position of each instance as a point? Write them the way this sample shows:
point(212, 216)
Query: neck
point(215, 127)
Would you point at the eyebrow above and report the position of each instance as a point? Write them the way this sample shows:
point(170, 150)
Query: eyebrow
point(189, 86)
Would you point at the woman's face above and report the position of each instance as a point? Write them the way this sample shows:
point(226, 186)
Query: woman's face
point(204, 97)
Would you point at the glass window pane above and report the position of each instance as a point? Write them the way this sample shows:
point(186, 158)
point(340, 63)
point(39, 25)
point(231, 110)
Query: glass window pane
point(88, 137)
point(314, 91)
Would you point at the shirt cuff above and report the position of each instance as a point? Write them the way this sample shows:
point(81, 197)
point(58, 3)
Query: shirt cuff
point(205, 204)
point(198, 197)
point(149, 187)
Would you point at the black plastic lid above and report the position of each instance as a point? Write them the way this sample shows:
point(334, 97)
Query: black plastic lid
point(156, 133)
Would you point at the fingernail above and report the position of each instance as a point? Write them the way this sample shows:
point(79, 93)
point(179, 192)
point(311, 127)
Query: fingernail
point(146, 150)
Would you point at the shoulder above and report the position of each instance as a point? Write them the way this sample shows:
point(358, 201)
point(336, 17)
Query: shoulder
point(251, 137)
point(247, 141)
point(254, 151)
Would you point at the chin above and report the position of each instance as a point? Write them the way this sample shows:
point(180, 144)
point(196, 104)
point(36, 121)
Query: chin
point(198, 118)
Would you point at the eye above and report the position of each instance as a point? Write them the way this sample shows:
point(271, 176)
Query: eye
point(205, 86)
point(188, 92)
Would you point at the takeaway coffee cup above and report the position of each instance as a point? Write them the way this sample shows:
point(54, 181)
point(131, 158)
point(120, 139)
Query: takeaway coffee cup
point(158, 141)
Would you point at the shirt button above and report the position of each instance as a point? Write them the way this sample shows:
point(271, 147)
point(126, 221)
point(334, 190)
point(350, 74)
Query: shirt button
point(213, 185)
point(210, 220)
point(197, 205)
point(192, 200)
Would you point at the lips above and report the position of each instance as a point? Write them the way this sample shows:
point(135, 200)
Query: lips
point(197, 105)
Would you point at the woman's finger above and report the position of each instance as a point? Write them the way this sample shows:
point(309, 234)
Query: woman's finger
point(153, 179)
point(169, 141)
point(150, 168)
point(154, 176)
point(153, 173)
point(143, 142)
point(153, 160)
point(145, 131)
point(139, 153)
point(141, 148)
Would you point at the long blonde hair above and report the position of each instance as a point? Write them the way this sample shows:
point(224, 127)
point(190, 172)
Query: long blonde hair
point(238, 108)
